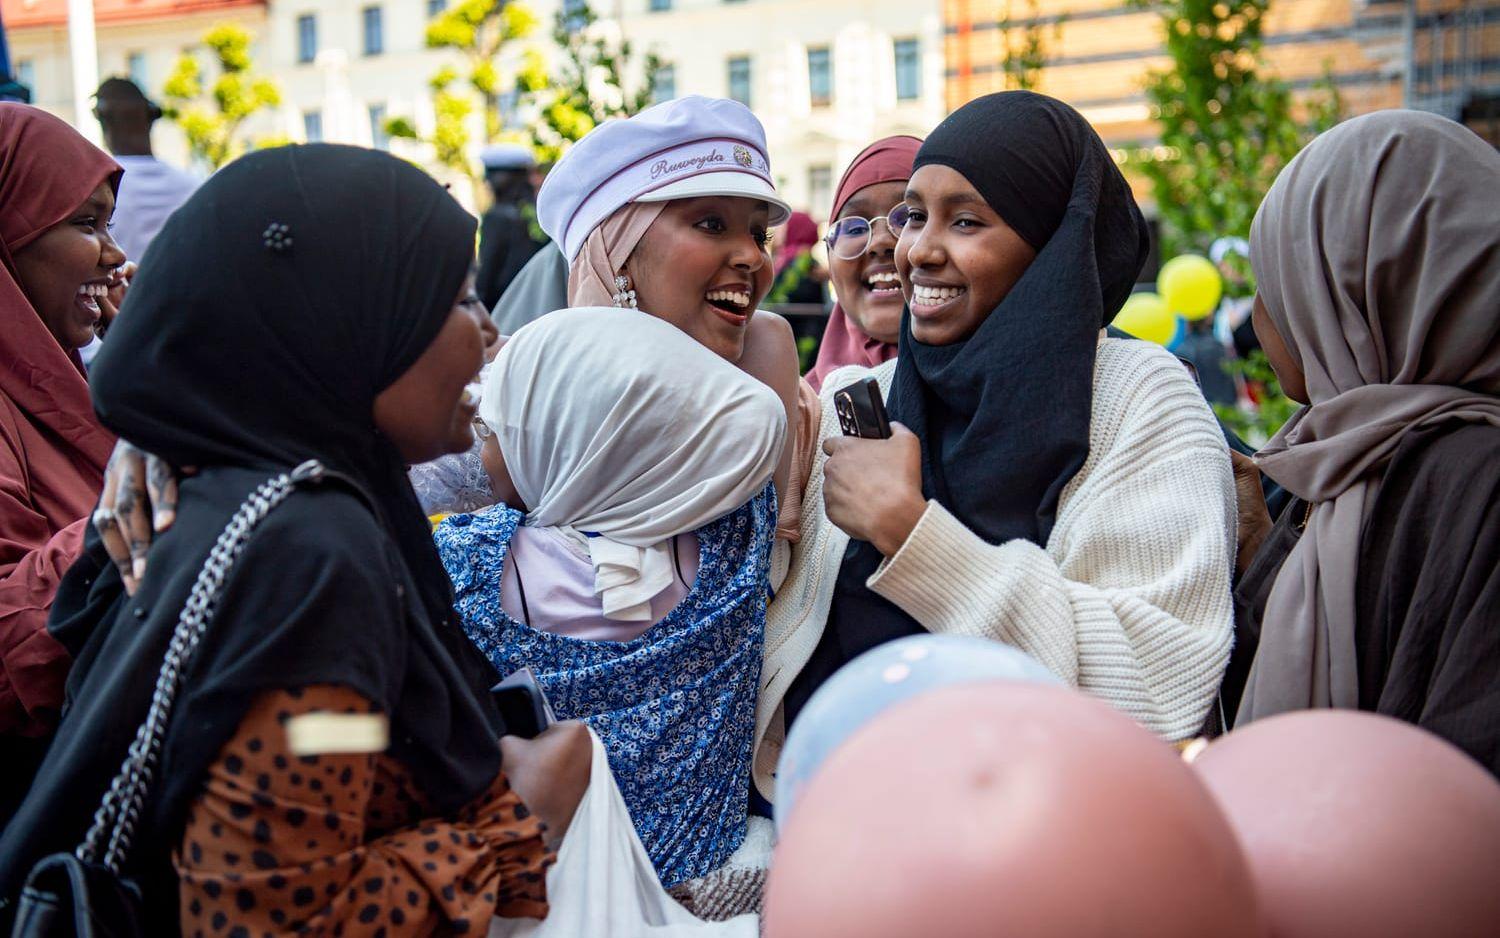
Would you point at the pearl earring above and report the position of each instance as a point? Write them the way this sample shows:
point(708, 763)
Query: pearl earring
point(624, 296)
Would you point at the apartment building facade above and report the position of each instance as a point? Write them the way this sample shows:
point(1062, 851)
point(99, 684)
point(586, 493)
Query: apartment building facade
point(1441, 55)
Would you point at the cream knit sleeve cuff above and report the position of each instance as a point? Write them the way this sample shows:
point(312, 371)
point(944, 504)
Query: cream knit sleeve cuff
point(951, 580)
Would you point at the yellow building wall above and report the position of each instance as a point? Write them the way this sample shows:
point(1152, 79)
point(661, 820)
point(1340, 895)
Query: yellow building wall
point(1099, 53)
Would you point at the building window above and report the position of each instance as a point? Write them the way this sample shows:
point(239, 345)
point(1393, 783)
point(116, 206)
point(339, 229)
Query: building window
point(26, 74)
point(739, 79)
point(510, 108)
point(666, 84)
point(379, 139)
point(374, 31)
point(307, 37)
point(135, 66)
point(820, 185)
point(820, 76)
point(908, 70)
point(312, 126)
point(660, 6)
point(434, 7)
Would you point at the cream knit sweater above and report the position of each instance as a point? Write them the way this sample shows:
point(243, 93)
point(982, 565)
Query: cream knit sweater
point(1128, 601)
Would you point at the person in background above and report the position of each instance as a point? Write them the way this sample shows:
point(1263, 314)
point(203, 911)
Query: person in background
point(1377, 260)
point(1232, 320)
point(508, 233)
point(799, 276)
point(355, 352)
point(151, 190)
point(1046, 487)
point(539, 288)
point(1200, 347)
point(866, 319)
point(57, 194)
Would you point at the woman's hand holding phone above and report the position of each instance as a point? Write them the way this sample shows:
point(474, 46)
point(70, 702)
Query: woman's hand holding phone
point(872, 489)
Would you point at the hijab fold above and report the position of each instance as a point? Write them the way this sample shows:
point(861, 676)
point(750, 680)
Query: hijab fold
point(245, 350)
point(1003, 416)
point(639, 456)
point(844, 343)
point(1377, 259)
point(591, 277)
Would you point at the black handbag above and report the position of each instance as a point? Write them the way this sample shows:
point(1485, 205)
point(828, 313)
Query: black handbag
point(85, 894)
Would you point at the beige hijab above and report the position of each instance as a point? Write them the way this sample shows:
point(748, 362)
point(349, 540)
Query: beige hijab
point(1377, 254)
point(591, 278)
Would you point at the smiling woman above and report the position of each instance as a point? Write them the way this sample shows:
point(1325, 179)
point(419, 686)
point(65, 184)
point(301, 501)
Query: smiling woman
point(663, 219)
point(866, 321)
point(56, 195)
point(70, 268)
point(669, 212)
point(703, 266)
point(1061, 493)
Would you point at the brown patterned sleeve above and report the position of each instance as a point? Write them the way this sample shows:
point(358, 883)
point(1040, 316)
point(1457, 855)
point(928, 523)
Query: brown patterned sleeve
point(281, 844)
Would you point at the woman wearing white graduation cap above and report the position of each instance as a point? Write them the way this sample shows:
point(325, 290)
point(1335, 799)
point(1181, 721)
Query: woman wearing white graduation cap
point(635, 434)
point(670, 212)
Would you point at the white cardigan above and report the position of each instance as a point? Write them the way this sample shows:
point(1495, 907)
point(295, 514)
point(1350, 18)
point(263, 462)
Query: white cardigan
point(1130, 598)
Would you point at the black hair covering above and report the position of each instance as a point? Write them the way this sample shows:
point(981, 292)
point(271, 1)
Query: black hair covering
point(1003, 416)
point(291, 289)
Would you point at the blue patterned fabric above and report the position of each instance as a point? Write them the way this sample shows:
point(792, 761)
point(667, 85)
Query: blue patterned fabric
point(674, 707)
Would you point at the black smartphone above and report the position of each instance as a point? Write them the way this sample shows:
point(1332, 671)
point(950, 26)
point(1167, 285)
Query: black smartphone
point(861, 410)
point(523, 706)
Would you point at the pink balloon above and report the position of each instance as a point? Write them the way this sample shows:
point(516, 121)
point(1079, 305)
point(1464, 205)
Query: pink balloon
point(1361, 825)
point(1005, 809)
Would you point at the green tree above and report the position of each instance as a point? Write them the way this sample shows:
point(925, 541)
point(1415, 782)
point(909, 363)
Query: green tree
point(1227, 127)
point(212, 121)
point(1026, 42)
point(589, 84)
point(478, 30)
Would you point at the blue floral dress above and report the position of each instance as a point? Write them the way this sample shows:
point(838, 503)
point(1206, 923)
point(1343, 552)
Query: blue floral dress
point(675, 707)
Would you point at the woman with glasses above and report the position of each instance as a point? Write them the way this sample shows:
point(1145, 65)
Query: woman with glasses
point(1044, 486)
point(864, 323)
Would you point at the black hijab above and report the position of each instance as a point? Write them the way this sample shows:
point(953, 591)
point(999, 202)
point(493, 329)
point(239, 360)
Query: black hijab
point(1003, 416)
point(292, 288)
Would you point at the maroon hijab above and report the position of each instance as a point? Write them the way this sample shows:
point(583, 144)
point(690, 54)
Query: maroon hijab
point(52, 448)
point(47, 170)
point(888, 160)
point(797, 238)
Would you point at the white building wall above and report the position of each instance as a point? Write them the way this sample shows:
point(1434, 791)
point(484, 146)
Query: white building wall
point(699, 36)
point(159, 41)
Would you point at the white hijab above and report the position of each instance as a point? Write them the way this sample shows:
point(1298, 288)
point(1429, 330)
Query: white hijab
point(619, 428)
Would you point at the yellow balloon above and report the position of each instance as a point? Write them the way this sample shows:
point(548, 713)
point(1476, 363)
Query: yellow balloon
point(1190, 285)
point(1146, 317)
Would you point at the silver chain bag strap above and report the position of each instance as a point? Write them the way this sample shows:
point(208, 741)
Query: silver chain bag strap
point(84, 893)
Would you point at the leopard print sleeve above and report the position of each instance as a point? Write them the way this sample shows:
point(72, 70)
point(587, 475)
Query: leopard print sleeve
point(279, 844)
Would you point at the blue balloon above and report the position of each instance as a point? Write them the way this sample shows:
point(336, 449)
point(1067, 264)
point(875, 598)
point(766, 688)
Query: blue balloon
point(881, 678)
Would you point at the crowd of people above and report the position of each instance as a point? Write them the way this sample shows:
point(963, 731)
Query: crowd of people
point(305, 433)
